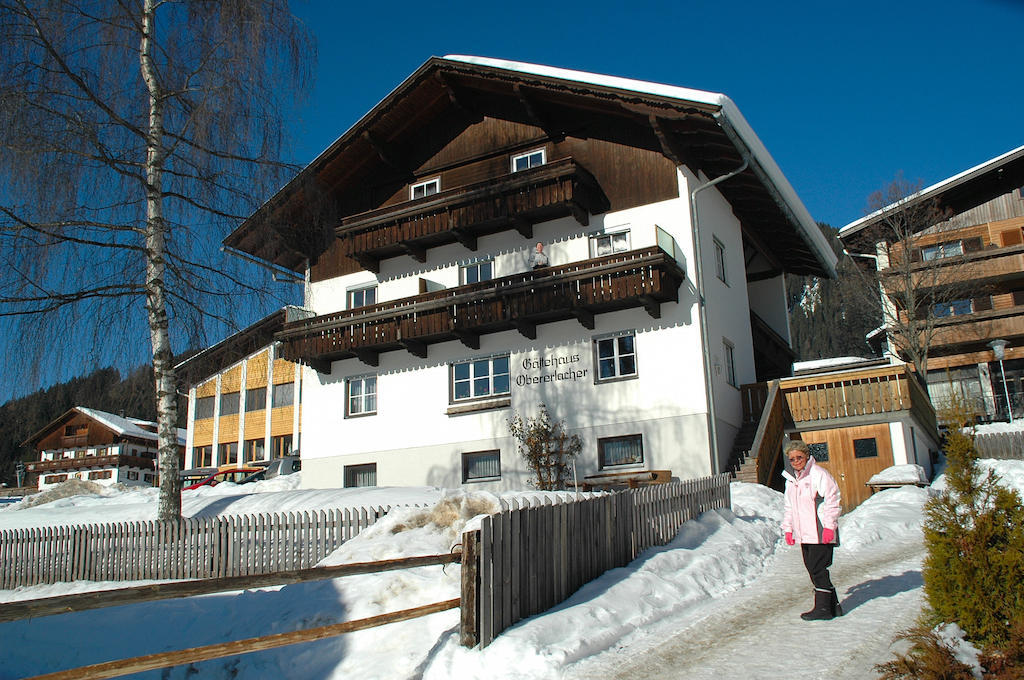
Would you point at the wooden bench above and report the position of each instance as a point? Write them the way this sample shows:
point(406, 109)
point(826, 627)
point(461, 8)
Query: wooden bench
point(624, 480)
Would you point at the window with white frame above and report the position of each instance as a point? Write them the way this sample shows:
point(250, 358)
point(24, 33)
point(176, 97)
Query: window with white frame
point(608, 244)
point(616, 357)
point(720, 261)
point(360, 297)
point(481, 465)
point(479, 378)
point(361, 475)
point(476, 272)
point(728, 355)
point(627, 450)
point(530, 159)
point(940, 250)
point(362, 396)
point(424, 189)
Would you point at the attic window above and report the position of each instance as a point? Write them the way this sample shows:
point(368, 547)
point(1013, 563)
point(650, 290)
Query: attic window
point(530, 159)
point(424, 189)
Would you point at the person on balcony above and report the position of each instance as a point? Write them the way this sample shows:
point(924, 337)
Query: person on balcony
point(537, 258)
point(812, 519)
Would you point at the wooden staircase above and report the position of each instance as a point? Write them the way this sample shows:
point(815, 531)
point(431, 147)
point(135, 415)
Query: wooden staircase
point(742, 465)
point(757, 451)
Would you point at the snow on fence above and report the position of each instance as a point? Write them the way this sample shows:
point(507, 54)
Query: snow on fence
point(526, 560)
point(1000, 445)
point(195, 548)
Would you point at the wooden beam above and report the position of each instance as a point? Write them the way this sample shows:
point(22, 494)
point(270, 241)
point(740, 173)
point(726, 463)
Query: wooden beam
point(415, 347)
point(367, 262)
point(581, 215)
point(763, 276)
point(457, 101)
point(319, 365)
point(470, 340)
point(670, 146)
point(367, 356)
point(526, 329)
point(465, 238)
point(523, 227)
point(389, 155)
point(585, 317)
point(535, 116)
point(652, 306)
point(414, 251)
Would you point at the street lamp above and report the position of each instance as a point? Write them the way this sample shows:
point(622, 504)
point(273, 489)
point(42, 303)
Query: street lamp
point(999, 350)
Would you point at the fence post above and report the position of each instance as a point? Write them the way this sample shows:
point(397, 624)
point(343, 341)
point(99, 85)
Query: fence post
point(469, 633)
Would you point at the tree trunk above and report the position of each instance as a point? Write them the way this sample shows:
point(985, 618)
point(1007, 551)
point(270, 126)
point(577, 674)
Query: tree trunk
point(156, 266)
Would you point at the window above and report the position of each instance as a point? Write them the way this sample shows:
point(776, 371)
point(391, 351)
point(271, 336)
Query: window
point(530, 159)
point(100, 474)
point(361, 475)
point(819, 451)
point(481, 465)
point(607, 244)
point(74, 430)
point(362, 396)
point(953, 308)
point(628, 450)
point(940, 250)
point(283, 395)
point(728, 353)
point(616, 357)
point(281, 445)
point(133, 475)
point(720, 261)
point(101, 451)
point(255, 449)
point(360, 297)
point(480, 378)
point(227, 453)
point(255, 399)
point(865, 448)
point(424, 189)
point(202, 456)
point(229, 403)
point(55, 479)
point(204, 407)
point(476, 272)
point(149, 479)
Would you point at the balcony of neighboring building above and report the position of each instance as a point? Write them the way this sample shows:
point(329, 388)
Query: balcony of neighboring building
point(86, 462)
point(517, 201)
point(643, 278)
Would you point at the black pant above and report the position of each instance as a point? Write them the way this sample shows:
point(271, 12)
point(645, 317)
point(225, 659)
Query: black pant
point(817, 560)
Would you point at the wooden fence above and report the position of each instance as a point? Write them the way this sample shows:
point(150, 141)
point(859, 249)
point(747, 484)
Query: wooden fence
point(524, 561)
point(196, 548)
point(1001, 445)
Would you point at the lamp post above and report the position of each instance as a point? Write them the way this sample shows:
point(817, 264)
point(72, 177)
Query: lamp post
point(999, 350)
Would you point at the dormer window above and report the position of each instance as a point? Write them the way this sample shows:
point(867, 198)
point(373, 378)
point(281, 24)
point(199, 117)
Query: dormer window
point(424, 189)
point(530, 159)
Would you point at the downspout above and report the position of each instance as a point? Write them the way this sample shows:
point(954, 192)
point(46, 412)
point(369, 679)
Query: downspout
point(698, 268)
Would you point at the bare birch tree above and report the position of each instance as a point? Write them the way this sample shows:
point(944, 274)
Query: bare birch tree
point(135, 134)
point(921, 279)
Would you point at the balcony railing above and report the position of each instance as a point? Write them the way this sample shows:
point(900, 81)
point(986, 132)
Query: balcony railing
point(845, 395)
point(84, 462)
point(514, 201)
point(637, 278)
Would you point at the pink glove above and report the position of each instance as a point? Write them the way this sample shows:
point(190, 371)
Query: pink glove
point(789, 538)
point(827, 535)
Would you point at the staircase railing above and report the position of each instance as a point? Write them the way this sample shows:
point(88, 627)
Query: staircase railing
point(767, 444)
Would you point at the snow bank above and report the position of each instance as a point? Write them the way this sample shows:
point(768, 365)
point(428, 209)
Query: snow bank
point(900, 474)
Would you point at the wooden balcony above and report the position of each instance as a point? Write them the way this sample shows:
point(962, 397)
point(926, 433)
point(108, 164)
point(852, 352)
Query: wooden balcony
point(990, 265)
point(845, 397)
point(86, 462)
point(637, 278)
point(515, 201)
point(979, 328)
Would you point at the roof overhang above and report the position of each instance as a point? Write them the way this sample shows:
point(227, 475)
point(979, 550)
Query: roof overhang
point(702, 130)
point(956, 194)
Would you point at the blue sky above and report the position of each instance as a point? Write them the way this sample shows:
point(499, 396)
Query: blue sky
point(844, 95)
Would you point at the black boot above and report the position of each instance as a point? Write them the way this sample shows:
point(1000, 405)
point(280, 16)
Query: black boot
point(822, 606)
point(837, 610)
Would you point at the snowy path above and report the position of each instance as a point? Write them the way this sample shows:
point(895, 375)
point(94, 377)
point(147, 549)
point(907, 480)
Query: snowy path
point(756, 632)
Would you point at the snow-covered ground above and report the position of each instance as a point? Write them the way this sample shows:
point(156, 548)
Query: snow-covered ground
point(721, 600)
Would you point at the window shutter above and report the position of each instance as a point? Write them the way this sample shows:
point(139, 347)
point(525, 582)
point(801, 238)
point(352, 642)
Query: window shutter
point(1018, 297)
point(1013, 237)
point(983, 303)
point(972, 245)
point(915, 255)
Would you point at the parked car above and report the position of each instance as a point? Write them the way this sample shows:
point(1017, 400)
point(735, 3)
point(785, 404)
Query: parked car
point(193, 475)
point(280, 466)
point(238, 475)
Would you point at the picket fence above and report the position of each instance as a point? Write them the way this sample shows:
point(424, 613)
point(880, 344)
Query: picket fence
point(1000, 445)
point(525, 560)
point(194, 548)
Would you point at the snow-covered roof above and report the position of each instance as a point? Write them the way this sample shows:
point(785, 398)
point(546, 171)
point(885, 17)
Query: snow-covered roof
point(730, 118)
point(128, 427)
point(935, 189)
point(835, 363)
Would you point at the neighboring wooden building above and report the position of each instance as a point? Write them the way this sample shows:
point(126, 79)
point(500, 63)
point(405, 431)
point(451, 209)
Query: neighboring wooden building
point(667, 228)
point(981, 239)
point(244, 399)
point(96, 446)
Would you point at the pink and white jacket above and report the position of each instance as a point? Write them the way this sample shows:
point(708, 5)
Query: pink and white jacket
point(812, 504)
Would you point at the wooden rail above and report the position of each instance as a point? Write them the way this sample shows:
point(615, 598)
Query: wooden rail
point(767, 444)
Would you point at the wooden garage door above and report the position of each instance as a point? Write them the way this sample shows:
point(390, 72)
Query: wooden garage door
point(852, 455)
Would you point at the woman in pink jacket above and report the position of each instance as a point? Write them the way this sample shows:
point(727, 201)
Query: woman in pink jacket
point(812, 520)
